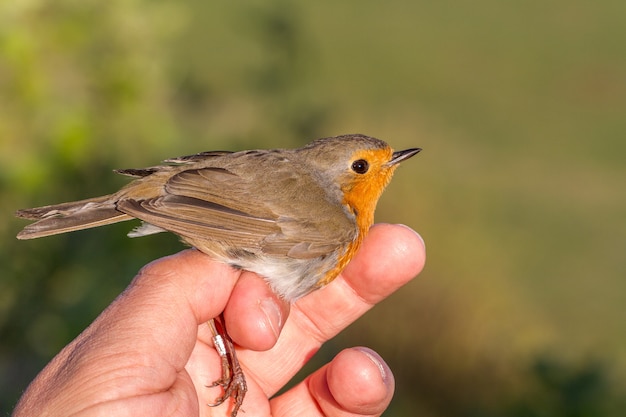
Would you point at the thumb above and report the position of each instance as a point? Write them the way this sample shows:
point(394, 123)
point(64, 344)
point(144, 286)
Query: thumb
point(140, 343)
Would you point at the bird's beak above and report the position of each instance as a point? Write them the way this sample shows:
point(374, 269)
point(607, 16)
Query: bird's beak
point(400, 156)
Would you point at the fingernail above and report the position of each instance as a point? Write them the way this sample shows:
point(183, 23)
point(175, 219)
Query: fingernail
point(385, 372)
point(273, 315)
point(417, 234)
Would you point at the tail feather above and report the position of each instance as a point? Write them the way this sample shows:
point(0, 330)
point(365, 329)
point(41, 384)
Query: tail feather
point(67, 217)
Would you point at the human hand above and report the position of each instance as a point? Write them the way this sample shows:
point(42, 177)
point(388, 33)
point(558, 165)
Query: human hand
point(150, 351)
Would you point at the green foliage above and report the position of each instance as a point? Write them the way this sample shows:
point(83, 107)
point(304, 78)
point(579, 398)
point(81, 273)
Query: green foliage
point(519, 191)
point(559, 389)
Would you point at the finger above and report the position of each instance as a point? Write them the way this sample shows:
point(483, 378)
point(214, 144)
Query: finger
point(403, 258)
point(357, 382)
point(390, 256)
point(254, 314)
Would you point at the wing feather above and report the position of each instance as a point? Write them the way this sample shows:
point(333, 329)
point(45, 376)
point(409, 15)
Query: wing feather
point(200, 220)
point(218, 204)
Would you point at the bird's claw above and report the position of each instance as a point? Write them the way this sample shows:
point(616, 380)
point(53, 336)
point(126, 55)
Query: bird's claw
point(232, 381)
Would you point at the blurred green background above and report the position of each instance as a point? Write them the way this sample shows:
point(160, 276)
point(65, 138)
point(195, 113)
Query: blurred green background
point(520, 191)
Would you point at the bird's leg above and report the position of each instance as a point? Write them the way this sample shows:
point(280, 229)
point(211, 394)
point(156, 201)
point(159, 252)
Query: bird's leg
point(232, 380)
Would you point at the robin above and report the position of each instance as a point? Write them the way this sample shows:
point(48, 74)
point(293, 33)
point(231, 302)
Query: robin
point(293, 216)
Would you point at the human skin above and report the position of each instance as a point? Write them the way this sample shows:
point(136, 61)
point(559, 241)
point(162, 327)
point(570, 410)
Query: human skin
point(150, 352)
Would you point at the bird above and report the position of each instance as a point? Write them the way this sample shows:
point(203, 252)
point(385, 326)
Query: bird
point(295, 217)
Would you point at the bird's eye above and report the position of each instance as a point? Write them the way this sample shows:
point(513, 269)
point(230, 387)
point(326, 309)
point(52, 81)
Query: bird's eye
point(360, 166)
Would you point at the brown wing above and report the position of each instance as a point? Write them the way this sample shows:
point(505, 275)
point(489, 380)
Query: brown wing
point(200, 220)
point(199, 204)
point(237, 210)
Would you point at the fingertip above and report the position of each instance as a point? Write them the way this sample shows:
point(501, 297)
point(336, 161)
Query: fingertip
point(402, 243)
point(384, 371)
point(405, 244)
point(358, 382)
point(255, 315)
point(391, 255)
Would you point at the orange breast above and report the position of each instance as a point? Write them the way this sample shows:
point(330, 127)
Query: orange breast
point(361, 199)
